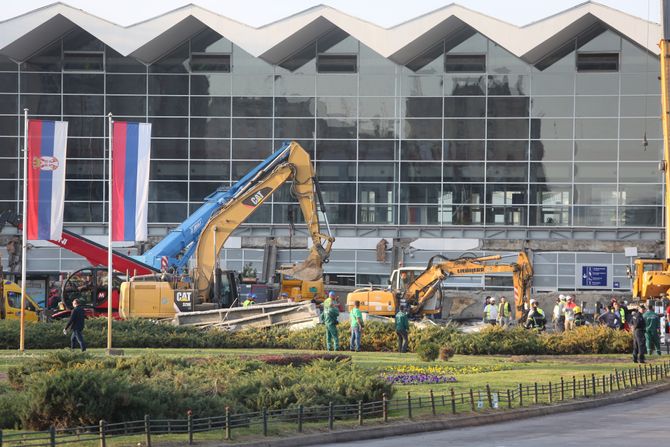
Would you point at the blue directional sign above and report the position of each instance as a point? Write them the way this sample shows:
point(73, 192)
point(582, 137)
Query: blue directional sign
point(594, 276)
point(616, 284)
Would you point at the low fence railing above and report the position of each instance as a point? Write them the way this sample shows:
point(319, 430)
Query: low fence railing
point(273, 422)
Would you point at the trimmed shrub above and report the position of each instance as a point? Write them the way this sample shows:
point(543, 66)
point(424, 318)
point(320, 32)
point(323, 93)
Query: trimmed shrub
point(446, 352)
point(428, 352)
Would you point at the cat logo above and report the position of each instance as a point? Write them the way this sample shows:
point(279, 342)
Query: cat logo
point(183, 297)
point(257, 198)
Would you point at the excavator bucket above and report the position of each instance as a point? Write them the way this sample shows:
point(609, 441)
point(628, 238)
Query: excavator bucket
point(308, 270)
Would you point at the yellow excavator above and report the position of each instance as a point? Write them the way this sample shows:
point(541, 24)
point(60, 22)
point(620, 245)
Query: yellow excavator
point(421, 289)
point(651, 277)
point(161, 296)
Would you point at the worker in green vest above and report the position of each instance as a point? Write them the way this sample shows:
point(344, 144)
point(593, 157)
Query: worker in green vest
point(402, 329)
point(330, 319)
point(653, 331)
point(251, 300)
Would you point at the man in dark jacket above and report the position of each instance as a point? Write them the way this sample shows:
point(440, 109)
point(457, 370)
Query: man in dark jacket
point(639, 327)
point(76, 323)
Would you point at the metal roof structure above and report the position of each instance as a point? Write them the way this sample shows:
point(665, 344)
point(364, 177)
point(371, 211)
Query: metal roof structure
point(147, 41)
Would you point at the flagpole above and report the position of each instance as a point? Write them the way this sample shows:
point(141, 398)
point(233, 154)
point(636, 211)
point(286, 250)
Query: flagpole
point(24, 245)
point(110, 270)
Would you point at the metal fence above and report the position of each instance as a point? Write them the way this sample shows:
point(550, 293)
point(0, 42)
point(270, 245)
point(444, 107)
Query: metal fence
point(321, 417)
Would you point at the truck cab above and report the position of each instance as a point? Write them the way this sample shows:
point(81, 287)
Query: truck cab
point(12, 303)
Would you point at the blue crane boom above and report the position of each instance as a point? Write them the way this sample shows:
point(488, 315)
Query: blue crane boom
point(181, 242)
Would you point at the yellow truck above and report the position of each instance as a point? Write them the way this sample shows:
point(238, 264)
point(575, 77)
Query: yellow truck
point(10, 306)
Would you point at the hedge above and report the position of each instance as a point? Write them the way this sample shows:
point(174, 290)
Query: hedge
point(376, 337)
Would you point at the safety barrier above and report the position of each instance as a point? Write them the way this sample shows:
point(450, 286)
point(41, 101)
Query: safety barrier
point(269, 422)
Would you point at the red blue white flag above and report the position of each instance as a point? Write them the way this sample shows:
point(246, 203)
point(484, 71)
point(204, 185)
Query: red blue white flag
point(131, 147)
point(47, 149)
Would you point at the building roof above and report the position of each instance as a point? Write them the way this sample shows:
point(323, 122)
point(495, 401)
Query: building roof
point(24, 35)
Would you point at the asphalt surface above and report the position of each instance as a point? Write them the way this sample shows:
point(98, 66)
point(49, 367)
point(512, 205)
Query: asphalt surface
point(638, 422)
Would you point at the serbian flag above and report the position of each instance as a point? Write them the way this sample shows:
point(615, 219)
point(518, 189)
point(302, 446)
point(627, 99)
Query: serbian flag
point(47, 147)
point(131, 146)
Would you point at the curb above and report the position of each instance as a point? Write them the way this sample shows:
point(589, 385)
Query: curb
point(408, 428)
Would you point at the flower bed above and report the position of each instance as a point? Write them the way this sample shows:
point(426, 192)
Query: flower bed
point(417, 375)
point(416, 379)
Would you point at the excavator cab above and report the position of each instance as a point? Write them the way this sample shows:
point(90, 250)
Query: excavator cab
point(89, 286)
point(651, 278)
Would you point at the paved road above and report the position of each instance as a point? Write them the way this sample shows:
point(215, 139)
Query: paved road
point(639, 422)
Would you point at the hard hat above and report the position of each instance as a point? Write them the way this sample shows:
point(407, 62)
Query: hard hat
point(533, 301)
point(577, 310)
point(493, 298)
point(569, 298)
point(284, 294)
point(331, 293)
point(252, 296)
point(561, 297)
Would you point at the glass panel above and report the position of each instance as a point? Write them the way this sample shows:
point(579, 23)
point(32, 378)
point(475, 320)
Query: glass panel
point(170, 127)
point(168, 85)
point(507, 172)
point(516, 150)
point(421, 85)
point(508, 107)
point(86, 147)
point(83, 61)
point(595, 172)
point(463, 172)
point(595, 216)
point(641, 106)
point(85, 126)
point(40, 83)
point(167, 212)
point(211, 84)
point(200, 190)
point(336, 150)
point(168, 191)
point(640, 195)
point(83, 83)
point(9, 82)
point(336, 128)
point(83, 105)
point(597, 106)
point(422, 128)
point(116, 63)
point(376, 172)
point(550, 172)
point(507, 128)
point(336, 85)
point(210, 106)
point(640, 173)
point(421, 150)
point(464, 85)
point(551, 128)
point(380, 193)
point(250, 106)
point(295, 84)
point(640, 83)
point(294, 106)
point(338, 192)
point(550, 215)
point(127, 105)
point(552, 106)
point(638, 128)
point(9, 146)
point(208, 170)
point(136, 84)
point(210, 127)
point(640, 216)
point(502, 61)
point(170, 148)
point(168, 170)
point(175, 62)
point(329, 171)
point(635, 150)
point(595, 150)
point(336, 107)
point(251, 128)
point(250, 149)
point(597, 83)
point(545, 194)
point(376, 85)
point(464, 128)
point(422, 107)
point(168, 106)
point(84, 169)
point(465, 63)
point(9, 190)
point(508, 85)
point(294, 128)
point(419, 193)
point(595, 195)
point(85, 191)
point(464, 150)
point(462, 193)
point(464, 107)
point(553, 84)
point(419, 215)
point(549, 150)
point(596, 128)
point(38, 104)
point(376, 150)
point(48, 59)
point(82, 212)
point(420, 172)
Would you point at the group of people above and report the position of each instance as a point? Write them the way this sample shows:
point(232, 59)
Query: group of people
point(567, 315)
point(646, 327)
point(331, 314)
point(497, 313)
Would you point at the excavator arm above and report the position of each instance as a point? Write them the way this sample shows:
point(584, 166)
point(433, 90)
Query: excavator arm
point(424, 287)
point(293, 165)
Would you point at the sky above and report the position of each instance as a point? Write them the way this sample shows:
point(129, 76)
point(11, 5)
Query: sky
point(385, 13)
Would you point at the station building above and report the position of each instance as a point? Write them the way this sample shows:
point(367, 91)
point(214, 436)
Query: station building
point(452, 132)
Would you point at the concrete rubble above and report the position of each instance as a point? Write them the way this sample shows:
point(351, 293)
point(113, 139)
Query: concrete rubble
point(278, 313)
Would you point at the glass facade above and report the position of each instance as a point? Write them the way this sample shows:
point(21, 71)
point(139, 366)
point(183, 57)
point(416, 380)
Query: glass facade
point(466, 135)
